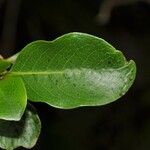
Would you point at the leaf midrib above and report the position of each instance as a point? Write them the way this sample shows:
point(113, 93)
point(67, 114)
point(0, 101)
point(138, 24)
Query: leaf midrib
point(35, 73)
point(49, 72)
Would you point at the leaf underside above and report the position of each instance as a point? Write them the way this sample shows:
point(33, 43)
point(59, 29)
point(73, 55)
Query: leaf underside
point(74, 70)
point(23, 133)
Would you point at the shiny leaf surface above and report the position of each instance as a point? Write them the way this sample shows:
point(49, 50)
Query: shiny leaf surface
point(74, 70)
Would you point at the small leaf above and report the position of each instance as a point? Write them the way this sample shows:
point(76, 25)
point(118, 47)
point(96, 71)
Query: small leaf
point(74, 70)
point(23, 133)
point(4, 65)
point(13, 98)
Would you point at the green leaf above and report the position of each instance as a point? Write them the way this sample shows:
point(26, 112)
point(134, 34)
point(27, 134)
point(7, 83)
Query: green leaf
point(13, 98)
point(23, 133)
point(74, 70)
point(4, 65)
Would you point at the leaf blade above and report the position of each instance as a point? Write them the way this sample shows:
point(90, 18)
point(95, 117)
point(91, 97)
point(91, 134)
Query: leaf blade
point(59, 71)
point(23, 133)
point(13, 98)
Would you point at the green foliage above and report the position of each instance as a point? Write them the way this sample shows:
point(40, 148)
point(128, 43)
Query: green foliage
point(74, 70)
point(4, 65)
point(13, 98)
point(20, 133)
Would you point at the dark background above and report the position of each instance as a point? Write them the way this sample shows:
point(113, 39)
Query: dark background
point(121, 125)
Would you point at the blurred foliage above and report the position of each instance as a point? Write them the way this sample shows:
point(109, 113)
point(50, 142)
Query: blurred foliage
point(124, 124)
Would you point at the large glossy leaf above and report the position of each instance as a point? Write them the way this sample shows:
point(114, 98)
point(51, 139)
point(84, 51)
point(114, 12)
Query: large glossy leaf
point(74, 70)
point(23, 133)
point(13, 98)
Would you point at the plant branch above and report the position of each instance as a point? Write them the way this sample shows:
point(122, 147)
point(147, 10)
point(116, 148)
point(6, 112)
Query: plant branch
point(13, 58)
